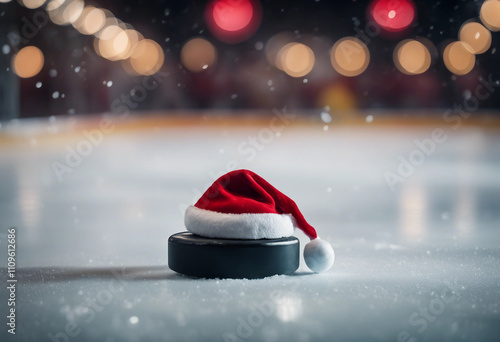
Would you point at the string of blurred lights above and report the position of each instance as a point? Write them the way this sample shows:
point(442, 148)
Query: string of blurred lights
point(236, 21)
point(113, 39)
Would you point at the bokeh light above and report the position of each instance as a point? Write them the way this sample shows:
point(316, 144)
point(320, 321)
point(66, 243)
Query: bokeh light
point(411, 57)
point(490, 14)
point(112, 41)
point(458, 58)
point(147, 57)
point(232, 15)
point(73, 11)
point(233, 21)
point(28, 62)
point(65, 12)
point(295, 59)
point(476, 36)
point(350, 56)
point(111, 20)
point(198, 55)
point(54, 4)
point(31, 3)
point(275, 44)
point(91, 21)
point(134, 37)
point(115, 43)
point(393, 15)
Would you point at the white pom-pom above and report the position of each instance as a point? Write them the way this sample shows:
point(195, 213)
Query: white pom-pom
point(319, 255)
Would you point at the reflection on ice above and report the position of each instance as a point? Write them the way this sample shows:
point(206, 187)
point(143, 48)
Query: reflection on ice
point(465, 209)
point(29, 199)
point(465, 205)
point(289, 307)
point(413, 210)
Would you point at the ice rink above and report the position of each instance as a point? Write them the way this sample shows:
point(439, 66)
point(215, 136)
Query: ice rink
point(415, 226)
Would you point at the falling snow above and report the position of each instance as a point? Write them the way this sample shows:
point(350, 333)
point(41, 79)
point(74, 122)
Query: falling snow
point(38, 84)
point(109, 84)
point(52, 72)
point(55, 95)
point(5, 49)
point(325, 117)
point(369, 118)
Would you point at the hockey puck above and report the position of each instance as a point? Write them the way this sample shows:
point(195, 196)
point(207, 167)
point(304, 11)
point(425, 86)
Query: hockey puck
point(202, 257)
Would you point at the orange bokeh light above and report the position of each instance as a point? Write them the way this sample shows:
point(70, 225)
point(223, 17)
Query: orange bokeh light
point(28, 62)
point(350, 56)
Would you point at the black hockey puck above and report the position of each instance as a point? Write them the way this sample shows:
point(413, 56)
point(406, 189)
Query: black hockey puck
point(202, 257)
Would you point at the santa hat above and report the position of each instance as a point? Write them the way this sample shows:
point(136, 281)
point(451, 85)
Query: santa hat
point(243, 205)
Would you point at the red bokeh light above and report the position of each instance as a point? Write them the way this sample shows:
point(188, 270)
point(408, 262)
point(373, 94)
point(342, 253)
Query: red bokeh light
point(231, 15)
point(393, 15)
point(233, 21)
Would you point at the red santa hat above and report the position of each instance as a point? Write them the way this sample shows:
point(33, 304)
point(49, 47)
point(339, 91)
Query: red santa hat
point(243, 205)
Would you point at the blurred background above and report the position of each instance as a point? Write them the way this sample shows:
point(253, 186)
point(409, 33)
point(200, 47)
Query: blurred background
point(66, 57)
point(380, 118)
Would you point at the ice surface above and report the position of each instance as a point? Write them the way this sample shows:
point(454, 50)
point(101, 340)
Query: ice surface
point(418, 262)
